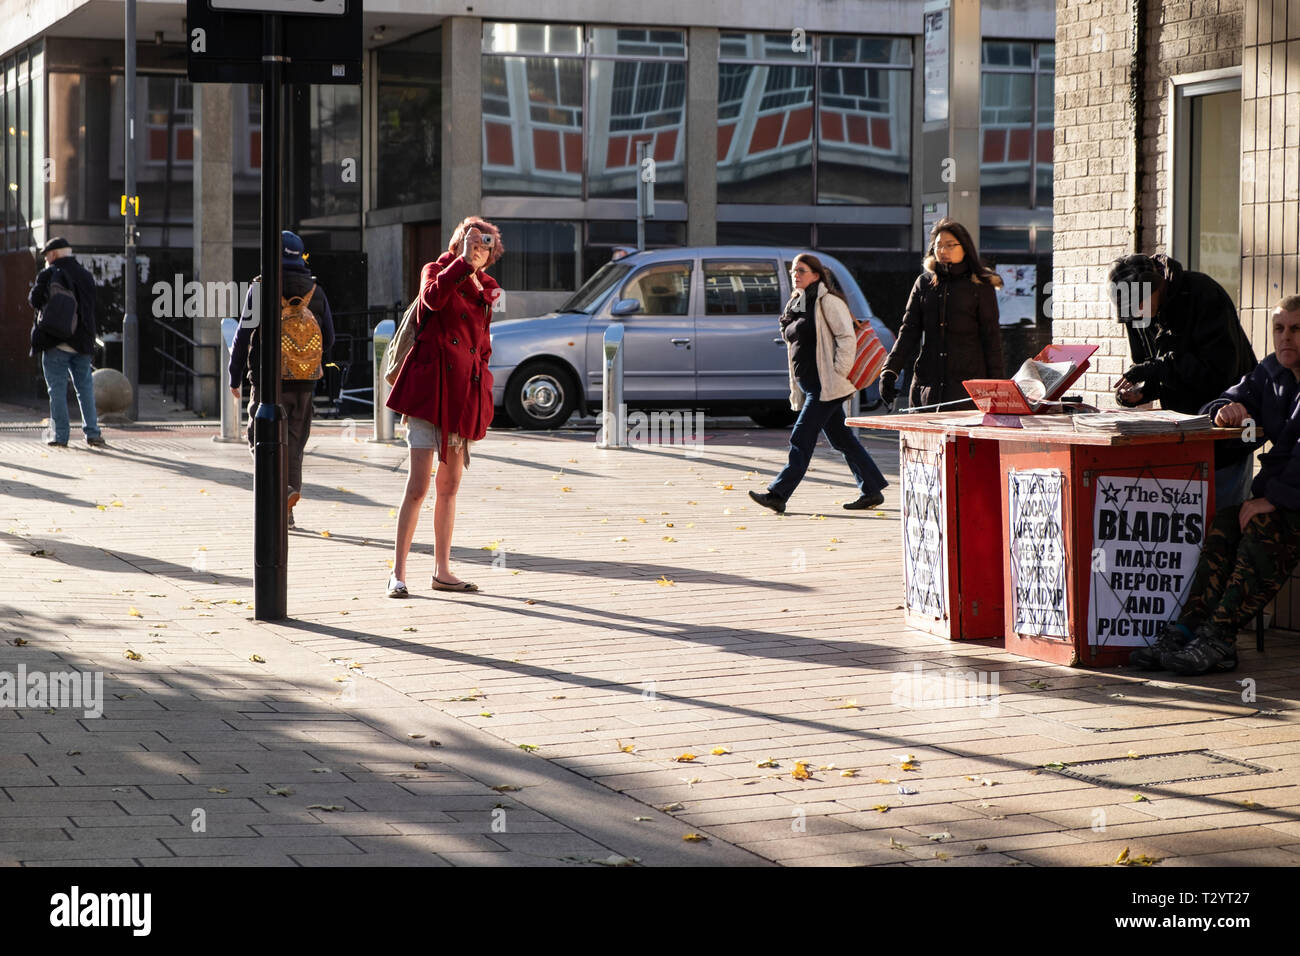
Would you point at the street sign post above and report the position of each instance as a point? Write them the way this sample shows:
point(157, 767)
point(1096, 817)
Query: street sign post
point(274, 42)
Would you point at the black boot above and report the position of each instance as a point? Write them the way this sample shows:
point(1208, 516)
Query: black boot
point(768, 500)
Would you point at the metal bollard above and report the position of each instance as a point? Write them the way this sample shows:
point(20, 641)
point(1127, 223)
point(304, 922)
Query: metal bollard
point(384, 417)
point(613, 423)
point(226, 402)
point(853, 405)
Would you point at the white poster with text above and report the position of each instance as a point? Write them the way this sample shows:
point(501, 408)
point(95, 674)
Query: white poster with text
point(1147, 536)
point(1038, 581)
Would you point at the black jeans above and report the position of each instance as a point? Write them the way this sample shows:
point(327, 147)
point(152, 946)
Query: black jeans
point(297, 402)
point(828, 418)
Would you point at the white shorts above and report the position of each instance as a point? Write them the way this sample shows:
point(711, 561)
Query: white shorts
point(425, 434)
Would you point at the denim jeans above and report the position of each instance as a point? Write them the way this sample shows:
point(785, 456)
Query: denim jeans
point(1232, 483)
point(57, 365)
point(828, 418)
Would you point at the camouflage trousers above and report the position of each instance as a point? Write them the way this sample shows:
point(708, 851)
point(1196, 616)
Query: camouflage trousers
point(1240, 571)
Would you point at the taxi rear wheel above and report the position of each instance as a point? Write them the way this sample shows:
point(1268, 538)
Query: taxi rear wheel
point(541, 395)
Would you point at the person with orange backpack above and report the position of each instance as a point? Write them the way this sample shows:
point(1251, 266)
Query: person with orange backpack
point(306, 335)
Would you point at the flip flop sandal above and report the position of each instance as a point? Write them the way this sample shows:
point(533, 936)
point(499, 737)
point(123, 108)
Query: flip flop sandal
point(438, 585)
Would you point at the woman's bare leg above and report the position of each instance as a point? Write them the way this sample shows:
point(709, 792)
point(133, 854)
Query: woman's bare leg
point(444, 514)
point(417, 487)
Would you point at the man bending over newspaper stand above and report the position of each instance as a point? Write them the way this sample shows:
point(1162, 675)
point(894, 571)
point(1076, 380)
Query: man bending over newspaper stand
point(1252, 548)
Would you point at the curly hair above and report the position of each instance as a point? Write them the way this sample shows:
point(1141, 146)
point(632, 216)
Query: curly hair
point(483, 226)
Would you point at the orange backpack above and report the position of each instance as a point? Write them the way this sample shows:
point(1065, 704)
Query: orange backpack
point(300, 340)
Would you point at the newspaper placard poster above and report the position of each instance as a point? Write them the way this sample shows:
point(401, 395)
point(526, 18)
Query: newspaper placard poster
point(1038, 581)
point(1018, 294)
point(936, 21)
point(1147, 536)
point(925, 563)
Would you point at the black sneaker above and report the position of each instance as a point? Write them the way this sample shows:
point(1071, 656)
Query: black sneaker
point(55, 443)
point(1212, 649)
point(97, 442)
point(873, 499)
point(769, 501)
point(1171, 639)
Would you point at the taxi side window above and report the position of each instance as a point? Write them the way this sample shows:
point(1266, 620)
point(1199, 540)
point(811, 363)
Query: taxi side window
point(661, 289)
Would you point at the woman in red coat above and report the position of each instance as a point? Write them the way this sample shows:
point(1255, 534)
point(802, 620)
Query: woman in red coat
point(445, 390)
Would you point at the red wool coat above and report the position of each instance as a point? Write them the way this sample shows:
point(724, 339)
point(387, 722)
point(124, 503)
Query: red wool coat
point(444, 378)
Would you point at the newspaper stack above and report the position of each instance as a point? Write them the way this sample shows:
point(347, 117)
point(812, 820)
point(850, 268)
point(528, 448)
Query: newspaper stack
point(1140, 423)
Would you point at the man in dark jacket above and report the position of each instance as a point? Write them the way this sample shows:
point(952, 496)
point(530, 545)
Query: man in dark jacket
point(1250, 549)
point(1188, 346)
point(295, 394)
point(59, 359)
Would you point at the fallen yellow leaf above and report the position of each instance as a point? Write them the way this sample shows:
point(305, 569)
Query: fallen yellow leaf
point(685, 758)
point(134, 612)
point(695, 838)
point(881, 808)
point(257, 659)
point(719, 751)
point(133, 656)
point(625, 748)
point(326, 534)
point(665, 582)
point(800, 771)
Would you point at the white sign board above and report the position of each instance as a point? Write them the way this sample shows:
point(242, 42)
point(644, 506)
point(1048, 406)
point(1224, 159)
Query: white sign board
point(936, 18)
point(1038, 581)
point(1147, 536)
point(1018, 294)
point(925, 527)
point(333, 8)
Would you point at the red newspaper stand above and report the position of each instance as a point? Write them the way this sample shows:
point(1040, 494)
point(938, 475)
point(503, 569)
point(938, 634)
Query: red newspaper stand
point(1075, 547)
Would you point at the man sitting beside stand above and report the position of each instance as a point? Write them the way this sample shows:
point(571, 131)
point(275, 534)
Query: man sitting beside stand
point(1250, 549)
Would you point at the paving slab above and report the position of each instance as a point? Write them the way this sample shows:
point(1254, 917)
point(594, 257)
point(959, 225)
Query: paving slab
point(672, 616)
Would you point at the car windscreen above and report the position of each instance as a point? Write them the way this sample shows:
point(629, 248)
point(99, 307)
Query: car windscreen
point(594, 289)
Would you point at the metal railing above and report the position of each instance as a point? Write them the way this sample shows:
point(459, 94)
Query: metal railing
point(179, 354)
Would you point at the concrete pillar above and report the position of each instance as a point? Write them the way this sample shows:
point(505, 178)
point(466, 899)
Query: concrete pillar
point(213, 226)
point(702, 137)
point(462, 120)
point(964, 115)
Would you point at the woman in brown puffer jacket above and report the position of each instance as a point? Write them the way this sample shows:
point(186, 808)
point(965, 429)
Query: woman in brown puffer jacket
point(954, 306)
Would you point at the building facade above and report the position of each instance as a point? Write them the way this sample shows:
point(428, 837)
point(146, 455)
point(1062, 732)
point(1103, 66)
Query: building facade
point(794, 123)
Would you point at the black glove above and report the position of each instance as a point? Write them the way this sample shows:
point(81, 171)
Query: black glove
point(889, 387)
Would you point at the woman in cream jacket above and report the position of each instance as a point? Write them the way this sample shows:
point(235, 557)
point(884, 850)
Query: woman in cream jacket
point(820, 346)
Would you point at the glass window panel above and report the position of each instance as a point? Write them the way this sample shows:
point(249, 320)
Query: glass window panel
point(532, 126)
point(10, 151)
point(531, 38)
point(1047, 56)
point(764, 46)
point(619, 41)
point(633, 102)
point(24, 140)
point(764, 234)
point(741, 288)
point(39, 164)
point(1007, 53)
point(540, 256)
point(1215, 185)
point(841, 49)
point(409, 120)
point(1043, 138)
point(335, 118)
point(661, 289)
point(857, 236)
point(1006, 138)
point(1002, 239)
point(765, 129)
point(864, 136)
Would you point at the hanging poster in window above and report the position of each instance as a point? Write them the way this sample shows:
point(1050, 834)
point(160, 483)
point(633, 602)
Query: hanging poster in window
point(936, 14)
point(1018, 294)
point(1038, 581)
point(1147, 535)
point(925, 565)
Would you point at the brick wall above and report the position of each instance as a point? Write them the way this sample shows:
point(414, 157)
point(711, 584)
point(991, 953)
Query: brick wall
point(1270, 162)
point(1098, 152)
point(1093, 179)
point(1181, 38)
